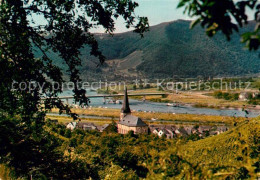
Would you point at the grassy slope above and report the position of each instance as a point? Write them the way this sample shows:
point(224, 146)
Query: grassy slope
point(223, 150)
point(215, 152)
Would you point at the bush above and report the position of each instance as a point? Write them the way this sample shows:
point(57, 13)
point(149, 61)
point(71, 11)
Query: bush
point(67, 133)
point(226, 95)
point(253, 102)
point(235, 96)
point(243, 173)
point(218, 94)
point(62, 131)
point(73, 142)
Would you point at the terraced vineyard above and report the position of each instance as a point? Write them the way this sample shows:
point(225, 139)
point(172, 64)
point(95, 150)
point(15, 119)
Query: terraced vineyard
point(228, 151)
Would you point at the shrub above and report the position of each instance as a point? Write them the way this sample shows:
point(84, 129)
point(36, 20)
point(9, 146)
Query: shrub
point(218, 94)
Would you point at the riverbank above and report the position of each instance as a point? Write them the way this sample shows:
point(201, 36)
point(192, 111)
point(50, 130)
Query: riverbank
point(198, 99)
point(113, 114)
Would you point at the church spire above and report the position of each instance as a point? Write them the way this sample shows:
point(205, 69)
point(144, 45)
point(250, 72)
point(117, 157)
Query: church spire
point(125, 107)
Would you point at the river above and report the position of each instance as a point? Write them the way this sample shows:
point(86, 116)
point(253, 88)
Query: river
point(162, 107)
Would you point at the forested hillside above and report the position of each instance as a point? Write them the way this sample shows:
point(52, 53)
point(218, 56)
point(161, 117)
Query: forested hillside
point(170, 49)
point(173, 49)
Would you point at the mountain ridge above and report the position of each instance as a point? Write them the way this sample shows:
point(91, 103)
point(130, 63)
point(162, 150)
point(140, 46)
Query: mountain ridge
point(170, 49)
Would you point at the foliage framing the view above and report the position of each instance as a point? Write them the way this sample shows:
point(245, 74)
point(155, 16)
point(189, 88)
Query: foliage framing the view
point(58, 26)
point(225, 16)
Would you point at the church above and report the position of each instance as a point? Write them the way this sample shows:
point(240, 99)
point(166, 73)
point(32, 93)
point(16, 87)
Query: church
point(127, 122)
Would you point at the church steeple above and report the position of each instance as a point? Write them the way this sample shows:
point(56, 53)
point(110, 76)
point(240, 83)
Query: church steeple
point(125, 110)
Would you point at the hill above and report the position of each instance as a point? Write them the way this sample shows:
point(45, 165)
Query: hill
point(231, 155)
point(109, 155)
point(227, 153)
point(173, 49)
point(170, 49)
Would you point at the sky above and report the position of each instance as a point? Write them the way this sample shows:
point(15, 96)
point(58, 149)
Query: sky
point(157, 11)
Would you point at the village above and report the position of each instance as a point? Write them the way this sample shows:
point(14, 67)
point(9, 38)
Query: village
point(127, 123)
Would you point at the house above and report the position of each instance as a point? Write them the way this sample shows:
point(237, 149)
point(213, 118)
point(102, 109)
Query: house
point(156, 131)
point(168, 131)
point(213, 133)
point(132, 123)
point(86, 126)
point(181, 132)
point(168, 134)
point(218, 130)
point(190, 130)
point(221, 129)
point(244, 96)
point(255, 95)
point(170, 128)
point(102, 128)
point(204, 129)
point(71, 125)
point(128, 122)
point(152, 127)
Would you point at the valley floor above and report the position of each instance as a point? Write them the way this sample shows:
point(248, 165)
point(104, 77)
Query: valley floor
point(150, 117)
point(203, 99)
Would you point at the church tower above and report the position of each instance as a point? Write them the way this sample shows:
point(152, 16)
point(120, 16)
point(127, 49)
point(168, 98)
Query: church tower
point(125, 110)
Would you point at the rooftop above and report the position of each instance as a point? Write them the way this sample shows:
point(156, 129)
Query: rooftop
point(132, 121)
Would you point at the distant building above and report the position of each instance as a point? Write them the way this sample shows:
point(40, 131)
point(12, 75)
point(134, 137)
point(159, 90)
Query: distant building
point(255, 95)
point(244, 96)
point(204, 129)
point(221, 129)
point(181, 132)
point(190, 130)
point(167, 131)
point(155, 131)
point(72, 125)
point(128, 122)
point(86, 126)
point(81, 125)
point(103, 128)
point(171, 131)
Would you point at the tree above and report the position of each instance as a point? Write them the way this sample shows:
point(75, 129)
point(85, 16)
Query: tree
point(30, 86)
point(112, 128)
point(225, 16)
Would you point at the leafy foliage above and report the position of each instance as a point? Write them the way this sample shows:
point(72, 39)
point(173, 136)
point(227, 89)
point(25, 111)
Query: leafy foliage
point(225, 16)
point(26, 146)
point(226, 95)
point(232, 155)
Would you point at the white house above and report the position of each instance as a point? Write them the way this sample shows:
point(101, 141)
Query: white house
point(71, 125)
point(243, 96)
point(156, 131)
